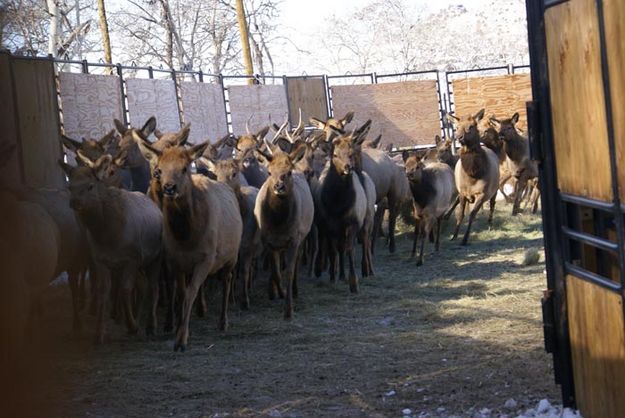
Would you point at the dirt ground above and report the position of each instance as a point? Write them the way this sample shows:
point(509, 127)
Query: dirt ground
point(461, 333)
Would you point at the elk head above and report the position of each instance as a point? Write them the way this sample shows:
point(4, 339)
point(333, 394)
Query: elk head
point(168, 140)
point(112, 175)
point(332, 125)
point(466, 129)
point(346, 149)
point(225, 171)
point(127, 143)
point(506, 127)
point(93, 148)
point(280, 168)
point(413, 165)
point(86, 183)
point(246, 144)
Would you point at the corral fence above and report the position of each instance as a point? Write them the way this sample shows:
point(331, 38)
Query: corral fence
point(47, 97)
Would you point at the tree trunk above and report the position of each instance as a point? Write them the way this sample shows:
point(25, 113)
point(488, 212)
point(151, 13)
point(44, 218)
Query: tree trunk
point(245, 41)
point(55, 24)
point(104, 31)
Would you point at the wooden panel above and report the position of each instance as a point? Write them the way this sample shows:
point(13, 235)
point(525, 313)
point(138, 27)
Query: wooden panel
point(502, 95)
point(597, 333)
point(37, 107)
point(260, 102)
point(10, 172)
point(577, 100)
point(147, 97)
point(308, 94)
point(90, 102)
point(405, 113)
point(203, 106)
point(614, 12)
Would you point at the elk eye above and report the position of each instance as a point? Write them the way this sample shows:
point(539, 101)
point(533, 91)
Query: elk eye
point(184, 170)
point(157, 173)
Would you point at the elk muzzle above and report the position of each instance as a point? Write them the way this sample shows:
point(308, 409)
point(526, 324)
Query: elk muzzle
point(169, 190)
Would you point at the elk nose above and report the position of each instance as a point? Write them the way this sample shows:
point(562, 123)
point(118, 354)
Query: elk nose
point(169, 189)
point(347, 169)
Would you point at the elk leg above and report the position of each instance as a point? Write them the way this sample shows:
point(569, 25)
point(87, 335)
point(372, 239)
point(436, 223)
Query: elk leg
point(476, 208)
point(438, 234)
point(201, 307)
point(451, 209)
point(128, 280)
point(170, 290)
point(423, 233)
point(74, 279)
point(226, 279)
point(520, 186)
point(341, 262)
point(103, 292)
point(393, 211)
point(153, 275)
point(332, 257)
point(298, 258)
point(348, 247)
point(322, 253)
point(289, 271)
point(415, 237)
point(493, 201)
point(377, 225)
point(243, 269)
point(187, 294)
point(367, 266)
point(276, 276)
point(459, 215)
point(313, 248)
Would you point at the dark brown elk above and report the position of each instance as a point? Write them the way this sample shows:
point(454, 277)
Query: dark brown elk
point(94, 148)
point(284, 211)
point(476, 173)
point(433, 192)
point(254, 172)
point(520, 166)
point(227, 172)
point(491, 139)
point(136, 177)
point(201, 228)
point(125, 230)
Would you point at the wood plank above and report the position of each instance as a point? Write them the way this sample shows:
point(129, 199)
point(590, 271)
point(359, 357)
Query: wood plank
point(597, 332)
point(614, 12)
point(577, 100)
point(38, 112)
point(11, 172)
point(501, 95)
point(260, 102)
point(405, 113)
point(308, 94)
point(203, 107)
point(149, 97)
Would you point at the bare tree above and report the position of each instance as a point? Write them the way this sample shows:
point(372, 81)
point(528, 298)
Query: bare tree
point(104, 31)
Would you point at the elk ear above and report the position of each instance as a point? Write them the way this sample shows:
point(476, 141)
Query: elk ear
point(67, 169)
point(376, 141)
point(121, 128)
point(317, 123)
point(70, 144)
point(261, 134)
point(83, 159)
point(361, 133)
point(389, 147)
point(101, 166)
point(149, 127)
point(347, 118)
point(437, 140)
point(158, 134)
point(148, 152)
point(452, 119)
point(120, 158)
point(263, 155)
point(183, 136)
point(405, 155)
point(515, 118)
point(208, 163)
point(107, 139)
point(196, 151)
point(495, 123)
point(479, 115)
point(298, 152)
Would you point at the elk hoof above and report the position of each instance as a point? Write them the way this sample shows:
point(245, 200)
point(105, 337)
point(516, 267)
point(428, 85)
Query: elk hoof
point(353, 287)
point(180, 347)
point(223, 325)
point(419, 263)
point(288, 314)
point(391, 248)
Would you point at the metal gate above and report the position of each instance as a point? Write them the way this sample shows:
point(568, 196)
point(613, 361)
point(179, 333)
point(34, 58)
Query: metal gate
point(577, 133)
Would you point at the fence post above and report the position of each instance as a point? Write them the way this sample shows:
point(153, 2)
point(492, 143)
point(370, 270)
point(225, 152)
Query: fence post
point(441, 104)
point(123, 94)
point(200, 76)
point(226, 113)
point(85, 67)
point(374, 78)
point(150, 72)
point(288, 101)
point(326, 82)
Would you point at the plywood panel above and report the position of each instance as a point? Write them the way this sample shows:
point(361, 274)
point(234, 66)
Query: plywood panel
point(309, 95)
point(502, 95)
point(405, 113)
point(10, 172)
point(38, 112)
point(614, 12)
point(597, 335)
point(147, 97)
point(90, 102)
point(260, 102)
point(577, 100)
point(203, 106)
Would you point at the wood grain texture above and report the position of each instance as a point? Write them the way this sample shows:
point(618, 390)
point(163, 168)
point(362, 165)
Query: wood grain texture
point(148, 97)
point(308, 94)
point(38, 111)
point(405, 113)
point(90, 102)
point(614, 12)
point(502, 95)
point(597, 333)
point(203, 106)
point(10, 172)
point(260, 102)
point(577, 100)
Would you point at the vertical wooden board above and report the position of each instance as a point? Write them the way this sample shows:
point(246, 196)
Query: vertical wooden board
point(90, 102)
point(309, 95)
point(404, 113)
point(597, 333)
point(614, 12)
point(577, 100)
point(10, 172)
point(501, 95)
point(203, 107)
point(260, 102)
point(38, 113)
point(148, 97)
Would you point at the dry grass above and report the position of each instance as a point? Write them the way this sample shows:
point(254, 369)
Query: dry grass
point(462, 331)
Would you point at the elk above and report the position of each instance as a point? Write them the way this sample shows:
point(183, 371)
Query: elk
point(491, 139)
point(93, 148)
point(433, 191)
point(476, 173)
point(137, 175)
point(252, 170)
point(442, 152)
point(284, 211)
point(332, 126)
point(125, 230)
point(201, 227)
point(227, 172)
point(519, 163)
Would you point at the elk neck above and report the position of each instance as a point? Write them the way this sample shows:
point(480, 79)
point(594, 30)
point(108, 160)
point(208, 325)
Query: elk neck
point(278, 210)
point(474, 162)
point(180, 215)
point(422, 188)
point(338, 194)
point(106, 220)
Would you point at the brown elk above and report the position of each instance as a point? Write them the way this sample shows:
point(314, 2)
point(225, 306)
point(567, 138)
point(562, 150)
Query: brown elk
point(252, 170)
point(476, 173)
point(136, 177)
point(519, 163)
point(433, 191)
point(332, 126)
point(125, 230)
point(94, 148)
point(201, 227)
point(284, 211)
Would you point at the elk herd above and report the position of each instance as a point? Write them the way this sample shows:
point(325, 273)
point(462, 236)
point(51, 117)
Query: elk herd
point(151, 217)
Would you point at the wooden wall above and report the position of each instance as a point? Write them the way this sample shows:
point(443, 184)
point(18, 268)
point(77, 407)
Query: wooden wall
point(501, 95)
point(260, 102)
point(405, 113)
point(203, 106)
point(148, 97)
point(308, 94)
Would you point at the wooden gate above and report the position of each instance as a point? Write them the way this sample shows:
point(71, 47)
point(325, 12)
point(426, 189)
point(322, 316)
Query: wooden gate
point(308, 94)
point(577, 132)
